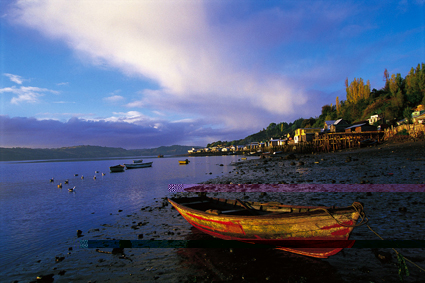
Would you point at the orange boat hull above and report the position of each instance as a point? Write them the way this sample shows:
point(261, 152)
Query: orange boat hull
point(313, 233)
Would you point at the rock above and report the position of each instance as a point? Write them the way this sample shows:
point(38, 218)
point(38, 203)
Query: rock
point(402, 209)
point(300, 163)
point(45, 278)
point(292, 163)
point(384, 257)
point(79, 233)
point(117, 251)
point(368, 194)
point(290, 156)
point(62, 272)
point(59, 258)
point(140, 236)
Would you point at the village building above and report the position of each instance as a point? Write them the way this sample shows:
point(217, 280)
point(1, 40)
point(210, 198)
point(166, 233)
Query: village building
point(374, 118)
point(419, 119)
point(305, 134)
point(254, 145)
point(361, 127)
point(335, 126)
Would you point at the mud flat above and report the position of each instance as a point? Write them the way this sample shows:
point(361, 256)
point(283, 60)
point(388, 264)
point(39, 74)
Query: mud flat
point(160, 222)
point(397, 163)
point(396, 215)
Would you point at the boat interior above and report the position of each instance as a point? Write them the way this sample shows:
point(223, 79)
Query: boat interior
point(219, 206)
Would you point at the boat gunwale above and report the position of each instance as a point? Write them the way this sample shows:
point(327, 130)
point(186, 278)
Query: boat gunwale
point(273, 214)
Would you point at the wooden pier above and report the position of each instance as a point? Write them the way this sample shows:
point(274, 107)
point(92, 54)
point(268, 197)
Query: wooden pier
point(336, 141)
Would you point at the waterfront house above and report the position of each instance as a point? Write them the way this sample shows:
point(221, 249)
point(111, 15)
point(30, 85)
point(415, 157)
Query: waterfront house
point(335, 126)
point(305, 134)
point(419, 119)
point(193, 150)
point(401, 122)
point(361, 127)
point(373, 119)
point(254, 145)
point(274, 142)
point(417, 113)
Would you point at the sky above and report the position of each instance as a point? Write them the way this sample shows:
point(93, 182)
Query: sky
point(143, 74)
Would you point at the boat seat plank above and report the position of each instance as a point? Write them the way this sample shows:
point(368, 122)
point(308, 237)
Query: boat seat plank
point(230, 211)
point(194, 202)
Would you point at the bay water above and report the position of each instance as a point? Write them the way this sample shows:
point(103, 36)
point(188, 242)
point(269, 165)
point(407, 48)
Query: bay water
point(37, 217)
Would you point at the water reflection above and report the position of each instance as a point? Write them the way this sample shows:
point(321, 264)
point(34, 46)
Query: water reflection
point(253, 264)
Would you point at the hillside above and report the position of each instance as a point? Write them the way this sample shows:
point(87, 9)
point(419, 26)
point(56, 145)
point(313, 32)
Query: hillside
point(395, 101)
point(85, 151)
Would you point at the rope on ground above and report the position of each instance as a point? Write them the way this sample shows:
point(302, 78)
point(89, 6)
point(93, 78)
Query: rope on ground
point(396, 250)
point(359, 208)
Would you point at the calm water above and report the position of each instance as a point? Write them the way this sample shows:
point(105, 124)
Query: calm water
point(37, 216)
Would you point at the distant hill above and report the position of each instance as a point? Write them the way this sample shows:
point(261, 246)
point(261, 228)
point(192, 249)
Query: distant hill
point(85, 151)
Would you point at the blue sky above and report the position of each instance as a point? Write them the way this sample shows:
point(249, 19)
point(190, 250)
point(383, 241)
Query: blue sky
point(141, 74)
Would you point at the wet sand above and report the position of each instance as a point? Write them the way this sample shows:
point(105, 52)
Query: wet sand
point(393, 215)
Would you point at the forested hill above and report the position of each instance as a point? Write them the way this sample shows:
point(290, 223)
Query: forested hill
point(85, 151)
point(395, 101)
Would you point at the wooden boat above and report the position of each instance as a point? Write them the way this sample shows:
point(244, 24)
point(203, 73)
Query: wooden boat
point(160, 156)
point(138, 165)
point(138, 161)
point(321, 229)
point(184, 161)
point(117, 168)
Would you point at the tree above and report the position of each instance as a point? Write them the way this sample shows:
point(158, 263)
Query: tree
point(357, 90)
point(271, 126)
point(386, 79)
point(407, 113)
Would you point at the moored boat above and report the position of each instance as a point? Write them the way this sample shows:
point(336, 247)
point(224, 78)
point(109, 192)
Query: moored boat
point(160, 155)
point(138, 161)
point(117, 168)
point(138, 165)
point(184, 161)
point(321, 229)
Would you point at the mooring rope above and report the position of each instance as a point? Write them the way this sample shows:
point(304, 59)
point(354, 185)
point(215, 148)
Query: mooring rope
point(359, 208)
point(395, 249)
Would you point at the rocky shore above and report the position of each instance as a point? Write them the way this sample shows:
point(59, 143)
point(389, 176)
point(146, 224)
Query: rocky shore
point(390, 163)
point(393, 215)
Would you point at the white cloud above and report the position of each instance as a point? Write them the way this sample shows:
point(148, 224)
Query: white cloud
point(174, 43)
point(15, 78)
point(28, 94)
point(133, 117)
point(114, 98)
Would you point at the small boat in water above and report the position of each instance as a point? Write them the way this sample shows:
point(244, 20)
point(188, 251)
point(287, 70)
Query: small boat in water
point(138, 165)
point(138, 161)
point(184, 161)
point(320, 228)
point(160, 156)
point(117, 168)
